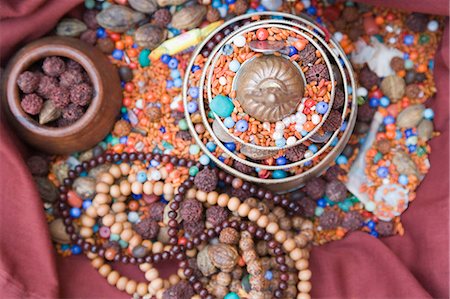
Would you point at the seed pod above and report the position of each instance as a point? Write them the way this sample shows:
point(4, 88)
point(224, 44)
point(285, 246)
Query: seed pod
point(189, 17)
point(150, 36)
point(119, 18)
point(48, 113)
point(145, 6)
point(70, 27)
point(163, 3)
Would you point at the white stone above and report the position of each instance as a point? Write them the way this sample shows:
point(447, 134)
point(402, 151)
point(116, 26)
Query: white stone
point(308, 154)
point(299, 127)
point(291, 140)
point(361, 92)
point(222, 81)
point(433, 26)
point(286, 121)
point(315, 119)
point(338, 36)
point(277, 135)
point(301, 118)
point(279, 125)
point(266, 126)
point(239, 41)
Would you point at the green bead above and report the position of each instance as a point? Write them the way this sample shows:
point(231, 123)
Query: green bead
point(193, 171)
point(144, 60)
point(360, 100)
point(222, 105)
point(353, 199)
point(89, 4)
point(123, 110)
point(377, 157)
point(424, 39)
point(379, 38)
point(105, 5)
point(318, 211)
point(114, 141)
point(245, 283)
point(167, 145)
point(108, 138)
point(211, 115)
point(182, 124)
point(114, 237)
point(421, 151)
point(409, 64)
point(123, 244)
point(231, 295)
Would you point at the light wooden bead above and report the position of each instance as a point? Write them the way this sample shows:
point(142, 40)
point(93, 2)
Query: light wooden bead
point(156, 284)
point(126, 235)
point(113, 277)
point(212, 198)
point(122, 283)
point(142, 289)
point(233, 204)
point(104, 270)
point(131, 178)
point(158, 247)
point(222, 200)
point(114, 170)
point(303, 296)
point(91, 255)
point(272, 228)
point(114, 191)
point(87, 221)
point(102, 187)
point(307, 224)
point(124, 169)
point(304, 286)
point(263, 221)
point(201, 195)
point(127, 225)
point(305, 275)
point(144, 267)
point(305, 253)
point(148, 188)
point(101, 198)
point(164, 173)
point(301, 264)
point(196, 297)
point(191, 193)
point(191, 252)
point(97, 262)
point(160, 293)
point(121, 217)
point(280, 236)
point(174, 279)
point(168, 188)
point(116, 228)
point(91, 211)
point(125, 188)
point(243, 210)
point(158, 188)
point(180, 273)
point(108, 220)
point(118, 207)
point(301, 240)
point(131, 287)
point(147, 244)
point(289, 245)
point(151, 274)
point(135, 240)
point(296, 254)
point(102, 210)
point(106, 178)
point(86, 232)
point(167, 247)
point(166, 284)
point(136, 188)
point(254, 214)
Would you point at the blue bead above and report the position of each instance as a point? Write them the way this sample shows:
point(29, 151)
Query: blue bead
point(389, 120)
point(204, 160)
point(374, 102)
point(242, 125)
point(165, 58)
point(313, 148)
point(322, 107)
point(403, 179)
point(409, 132)
point(428, 114)
point(221, 158)
point(154, 163)
point(95, 228)
point(405, 56)
point(65, 247)
point(169, 84)
point(86, 204)
point(178, 82)
point(230, 1)
point(141, 176)
point(117, 54)
point(193, 92)
point(173, 63)
point(75, 212)
point(211, 146)
point(370, 224)
point(162, 129)
point(292, 50)
point(384, 101)
point(268, 275)
point(175, 74)
point(374, 234)
point(192, 106)
point(216, 3)
point(281, 160)
point(343, 126)
point(280, 142)
point(260, 8)
point(227, 49)
point(279, 174)
point(123, 140)
point(382, 172)
point(341, 160)
point(228, 122)
point(231, 146)
point(408, 39)
point(321, 202)
point(334, 141)
point(136, 196)
point(311, 10)
point(412, 148)
point(101, 33)
point(308, 163)
point(76, 249)
point(195, 68)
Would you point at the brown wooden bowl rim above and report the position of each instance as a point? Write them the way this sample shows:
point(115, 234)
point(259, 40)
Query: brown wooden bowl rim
point(53, 46)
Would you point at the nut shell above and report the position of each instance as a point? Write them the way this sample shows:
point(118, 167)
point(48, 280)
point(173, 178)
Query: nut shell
point(223, 256)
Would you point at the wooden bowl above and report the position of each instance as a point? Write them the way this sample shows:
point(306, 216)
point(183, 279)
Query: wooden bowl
point(98, 119)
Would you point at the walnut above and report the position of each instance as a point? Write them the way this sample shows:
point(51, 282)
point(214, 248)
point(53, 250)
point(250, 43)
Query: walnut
point(223, 256)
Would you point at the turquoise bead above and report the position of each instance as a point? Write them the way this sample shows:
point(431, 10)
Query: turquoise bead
point(89, 4)
point(194, 149)
point(114, 237)
point(114, 141)
point(231, 295)
point(409, 64)
point(279, 174)
point(222, 105)
point(182, 124)
point(318, 211)
point(193, 171)
point(144, 60)
point(123, 244)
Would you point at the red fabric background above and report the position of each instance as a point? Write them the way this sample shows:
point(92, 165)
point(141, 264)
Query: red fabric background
point(360, 266)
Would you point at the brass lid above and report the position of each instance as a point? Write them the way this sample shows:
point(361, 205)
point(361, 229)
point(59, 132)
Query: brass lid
point(269, 87)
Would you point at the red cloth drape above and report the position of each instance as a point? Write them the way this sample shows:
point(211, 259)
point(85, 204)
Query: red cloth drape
point(360, 266)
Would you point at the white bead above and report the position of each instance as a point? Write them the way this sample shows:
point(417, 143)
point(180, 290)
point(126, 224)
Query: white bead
point(370, 206)
point(293, 119)
point(223, 81)
point(279, 125)
point(299, 127)
point(277, 135)
point(338, 36)
point(389, 28)
point(266, 126)
point(315, 118)
point(306, 3)
point(361, 92)
point(286, 121)
point(301, 107)
point(393, 40)
point(433, 26)
point(308, 154)
point(155, 175)
point(291, 140)
point(301, 118)
point(239, 41)
point(139, 104)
